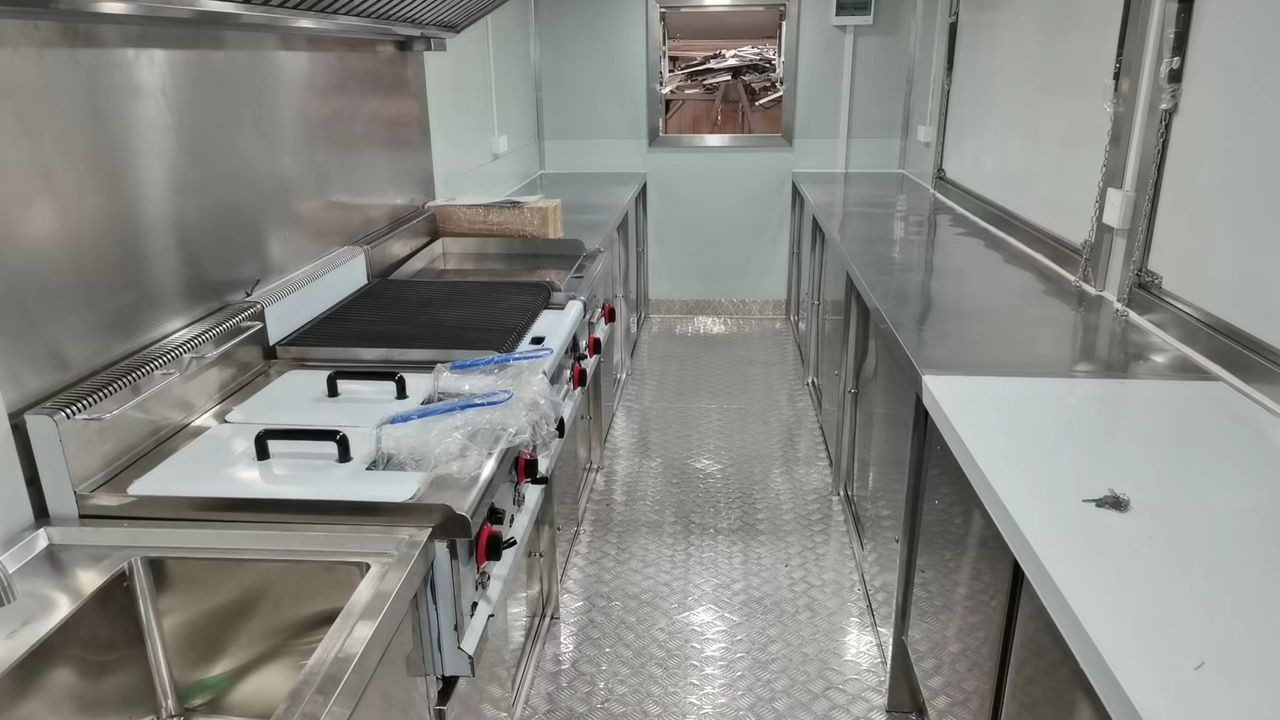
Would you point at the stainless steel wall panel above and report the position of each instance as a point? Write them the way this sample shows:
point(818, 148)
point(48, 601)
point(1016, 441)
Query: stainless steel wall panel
point(149, 176)
point(959, 601)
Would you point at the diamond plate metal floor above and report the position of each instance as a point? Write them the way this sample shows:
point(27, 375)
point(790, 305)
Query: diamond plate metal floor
point(714, 576)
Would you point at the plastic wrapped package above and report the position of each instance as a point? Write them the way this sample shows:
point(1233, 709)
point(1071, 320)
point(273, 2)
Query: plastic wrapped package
point(487, 374)
point(446, 437)
point(520, 372)
point(536, 219)
point(457, 437)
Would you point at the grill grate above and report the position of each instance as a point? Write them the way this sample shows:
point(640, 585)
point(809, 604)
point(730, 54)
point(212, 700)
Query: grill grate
point(429, 315)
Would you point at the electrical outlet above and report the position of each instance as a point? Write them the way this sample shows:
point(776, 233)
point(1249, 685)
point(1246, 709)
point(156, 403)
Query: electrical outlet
point(500, 144)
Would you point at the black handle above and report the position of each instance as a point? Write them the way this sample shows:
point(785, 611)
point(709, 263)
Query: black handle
point(391, 376)
point(508, 543)
point(337, 437)
point(540, 480)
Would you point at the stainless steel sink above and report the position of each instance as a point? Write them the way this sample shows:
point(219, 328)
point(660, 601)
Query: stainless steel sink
point(136, 621)
point(557, 262)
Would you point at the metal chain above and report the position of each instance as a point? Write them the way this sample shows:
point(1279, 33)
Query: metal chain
point(944, 105)
point(1085, 274)
point(1148, 205)
point(942, 124)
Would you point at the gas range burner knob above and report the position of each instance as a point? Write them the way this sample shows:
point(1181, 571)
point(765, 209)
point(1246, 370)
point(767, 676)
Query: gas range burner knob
point(610, 314)
point(489, 545)
point(595, 346)
point(579, 377)
point(526, 466)
point(560, 428)
point(497, 516)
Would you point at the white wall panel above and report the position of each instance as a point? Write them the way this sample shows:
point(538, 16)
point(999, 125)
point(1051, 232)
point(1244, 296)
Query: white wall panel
point(1027, 123)
point(482, 86)
point(926, 85)
point(1216, 240)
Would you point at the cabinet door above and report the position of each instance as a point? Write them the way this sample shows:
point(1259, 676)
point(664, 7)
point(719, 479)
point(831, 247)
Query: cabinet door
point(628, 253)
point(805, 284)
point(1045, 682)
point(960, 598)
point(610, 356)
point(642, 257)
point(624, 292)
point(881, 461)
point(833, 341)
point(855, 357)
point(795, 254)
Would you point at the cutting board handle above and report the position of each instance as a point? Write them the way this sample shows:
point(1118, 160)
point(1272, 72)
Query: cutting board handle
point(262, 441)
point(391, 376)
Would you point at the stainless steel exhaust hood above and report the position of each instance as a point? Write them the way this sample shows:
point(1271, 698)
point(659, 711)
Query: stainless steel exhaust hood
point(410, 20)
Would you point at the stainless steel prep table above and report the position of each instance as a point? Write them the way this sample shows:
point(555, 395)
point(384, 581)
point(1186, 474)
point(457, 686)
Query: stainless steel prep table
point(608, 211)
point(888, 284)
point(594, 203)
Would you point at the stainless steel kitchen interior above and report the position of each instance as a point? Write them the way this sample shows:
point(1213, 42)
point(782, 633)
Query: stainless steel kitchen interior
point(585, 359)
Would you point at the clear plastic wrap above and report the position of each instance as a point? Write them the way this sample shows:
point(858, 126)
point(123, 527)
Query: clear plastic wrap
point(537, 219)
point(452, 437)
point(457, 436)
point(487, 374)
point(520, 372)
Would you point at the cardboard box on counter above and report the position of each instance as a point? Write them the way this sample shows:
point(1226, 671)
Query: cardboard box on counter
point(536, 219)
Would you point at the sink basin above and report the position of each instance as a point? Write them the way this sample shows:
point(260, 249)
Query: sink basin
point(557, 262)
point(157, 621)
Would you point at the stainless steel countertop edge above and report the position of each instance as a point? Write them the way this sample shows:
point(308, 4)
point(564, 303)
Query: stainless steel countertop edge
point(901, 348)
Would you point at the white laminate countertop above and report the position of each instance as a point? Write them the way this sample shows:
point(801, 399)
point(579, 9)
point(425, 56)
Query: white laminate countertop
point(1173, 609)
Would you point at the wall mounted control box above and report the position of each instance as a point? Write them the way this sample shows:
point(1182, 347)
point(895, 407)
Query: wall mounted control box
point(854, 12)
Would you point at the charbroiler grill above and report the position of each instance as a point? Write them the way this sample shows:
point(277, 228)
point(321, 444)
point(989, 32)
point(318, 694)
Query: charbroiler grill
point(421, 321)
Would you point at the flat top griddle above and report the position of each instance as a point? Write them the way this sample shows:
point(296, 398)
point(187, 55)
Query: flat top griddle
point(421, 321)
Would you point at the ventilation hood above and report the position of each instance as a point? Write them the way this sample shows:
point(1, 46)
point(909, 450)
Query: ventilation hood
point(428, 21)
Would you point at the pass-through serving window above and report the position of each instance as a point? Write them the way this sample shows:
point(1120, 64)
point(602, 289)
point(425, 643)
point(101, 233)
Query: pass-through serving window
point(721, 74)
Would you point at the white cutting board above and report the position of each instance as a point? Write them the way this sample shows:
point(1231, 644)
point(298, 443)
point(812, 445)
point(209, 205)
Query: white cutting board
point(222, 463)
point(299, 398)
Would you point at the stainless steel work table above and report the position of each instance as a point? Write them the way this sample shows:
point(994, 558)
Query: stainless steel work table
point(961, 299)
point(932, 291)
point(594, 203)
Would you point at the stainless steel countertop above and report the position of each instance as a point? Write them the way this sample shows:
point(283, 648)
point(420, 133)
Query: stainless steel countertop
point(963, 300)
point(594, 203)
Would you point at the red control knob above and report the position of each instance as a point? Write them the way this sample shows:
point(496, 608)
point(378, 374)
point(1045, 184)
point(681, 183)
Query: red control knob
point(579, 377)
point(610, 314)
point(489, 545)
point(595, 346)
point(526, 466)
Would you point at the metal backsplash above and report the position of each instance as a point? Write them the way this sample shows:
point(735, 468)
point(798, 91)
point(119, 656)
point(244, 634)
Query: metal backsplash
point(150, 175)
